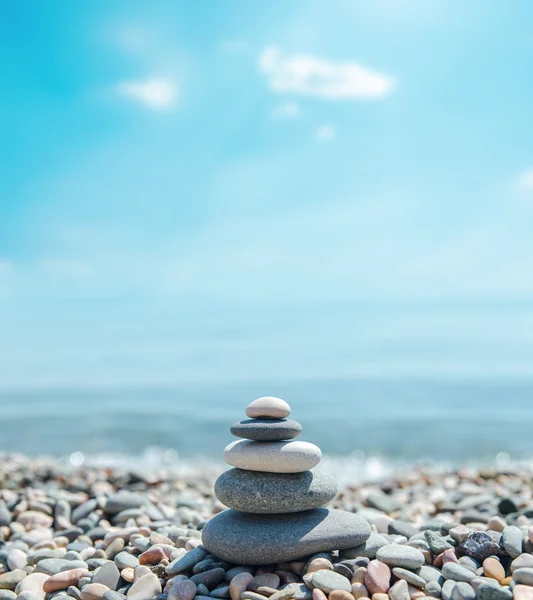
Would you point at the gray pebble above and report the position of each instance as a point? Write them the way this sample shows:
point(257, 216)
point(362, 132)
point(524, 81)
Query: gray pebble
point(524, 576)
point(409, 576)
point(447, 589)
point(220, 592)
point(437, 544)
point(469, 563)
point(512, 541)
point(456, 572)
point(108, 574)
point(125, 559)
point(187, 562)
point(112, 595)
point(367, 549)
point(395, 555)
point(209, 578)
point(487, 591)
point(327, 581)
point(433, 589)
point(463, 591)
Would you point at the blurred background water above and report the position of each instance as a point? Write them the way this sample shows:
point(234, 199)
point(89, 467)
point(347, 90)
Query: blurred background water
point(392, 420)
point(328, 202)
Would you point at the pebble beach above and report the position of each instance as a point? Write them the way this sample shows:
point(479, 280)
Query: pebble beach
point(93, 532)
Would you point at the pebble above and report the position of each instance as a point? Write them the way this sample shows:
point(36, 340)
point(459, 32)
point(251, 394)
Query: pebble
point(257, 492)
point(512, 541)
point(266, 430)
point(186, 563)
point(487, 591)
point(243, 538)
point(457, 572)
point(267, 579)
point(268, 407)
point(63, 580)
point(396, 555)
point(463, 591)
point(145, 588)
point(32, 583)
point(239, 584)
point(123, 500)
point(409, 576)
point(479, 545)
point(493, 568)
point(9, 580)
point(521, 562)
point(522, 592)
point(327, 581)
point(272, 457)
point(377, 577)
point(524, 576)
point(108, 575)
point(93, 591)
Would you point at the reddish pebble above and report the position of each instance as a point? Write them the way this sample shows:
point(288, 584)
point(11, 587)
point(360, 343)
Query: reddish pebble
point(319, 595)
point(153, 556)
point(239, 584)
point(61, 581)
point(377, 578)
point(93, 591)
point(523, 592)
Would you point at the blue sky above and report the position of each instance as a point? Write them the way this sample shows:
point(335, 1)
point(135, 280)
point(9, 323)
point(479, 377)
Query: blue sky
point(236, 190)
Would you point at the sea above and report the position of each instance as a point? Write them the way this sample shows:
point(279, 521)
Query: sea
point(372, 422)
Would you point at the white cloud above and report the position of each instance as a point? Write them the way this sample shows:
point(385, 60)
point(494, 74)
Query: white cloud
point(525, 181)
point(313, 76)
point(157, 93)
point(325, 133)
point(289, 110)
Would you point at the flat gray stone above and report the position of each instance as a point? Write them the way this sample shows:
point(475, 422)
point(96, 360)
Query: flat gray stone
point(327, 581)
point(252, 539)
point(266, 430)
point(512, 541)
point(395, 555)
point(271, 493)
point(457, 572)
point(367, 549)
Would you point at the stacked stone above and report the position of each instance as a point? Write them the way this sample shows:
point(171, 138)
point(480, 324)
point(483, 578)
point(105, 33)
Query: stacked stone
point(275, 494)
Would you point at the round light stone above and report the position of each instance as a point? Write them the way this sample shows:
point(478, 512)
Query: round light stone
point(396, 555)
point(266, 430)
point(256, 492)
point(251, 539)
point(268, 407)
point(272, 457)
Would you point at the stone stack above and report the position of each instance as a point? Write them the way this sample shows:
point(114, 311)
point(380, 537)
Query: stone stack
point(275, 494)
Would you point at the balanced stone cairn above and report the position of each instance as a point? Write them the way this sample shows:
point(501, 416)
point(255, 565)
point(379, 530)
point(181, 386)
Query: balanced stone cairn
point(274, 494)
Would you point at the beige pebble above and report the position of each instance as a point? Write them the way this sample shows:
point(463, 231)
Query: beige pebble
point(521, 562)
point(93, 591)
point(268, 407)
point(33, 519)
point(359, 575)
point(522, 521)
point(145, 587)
point(459, 533)
point(239, 584)
point(379, 596)
point(128, 574)
point(272, 457)
point(359, 590)
point(64, 579)
point(340, 595)
point(399, 591)
point(32, 583)
point(530, 534)
point(269, 579)
point(493, 568)
point(506, 581)
point(523, 592)
point(496, 524)
point(319, 564)
point(192, 543)
point(141, 571)
point(319, 595)
point(377, 579)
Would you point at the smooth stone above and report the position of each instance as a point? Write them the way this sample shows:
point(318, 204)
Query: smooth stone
point(10, 580)
point(384, 503)
point(145, 588)
point(255, 492)
point(396, 555)
point(266, 430)
point(512, 541)
point(523, 561)
point(433, 589)
point(111, 595)
point(209, 578)
point(430, 574)
point(93, 591)
point(399, 591)
point(29, 596)
point(327, 581)
point(251, 539)
point(463, 591)
point(487, 591)
point(123, 500)
point(522, 592)
point(64, 580)
point(272, 457)
point(124, 559)
point(187, 562)
point(524, 576)
point(299, 591)
point(493, 568)
point(7, 595)
point(368, 549)
point(32, 583)
point(108, 574)
point(239, 584)
point(377, 577)
point(409, 576)
point(456, 572)
point(268, 407)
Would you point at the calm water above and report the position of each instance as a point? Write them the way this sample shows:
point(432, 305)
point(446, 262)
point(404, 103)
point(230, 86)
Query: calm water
point(399, 419)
